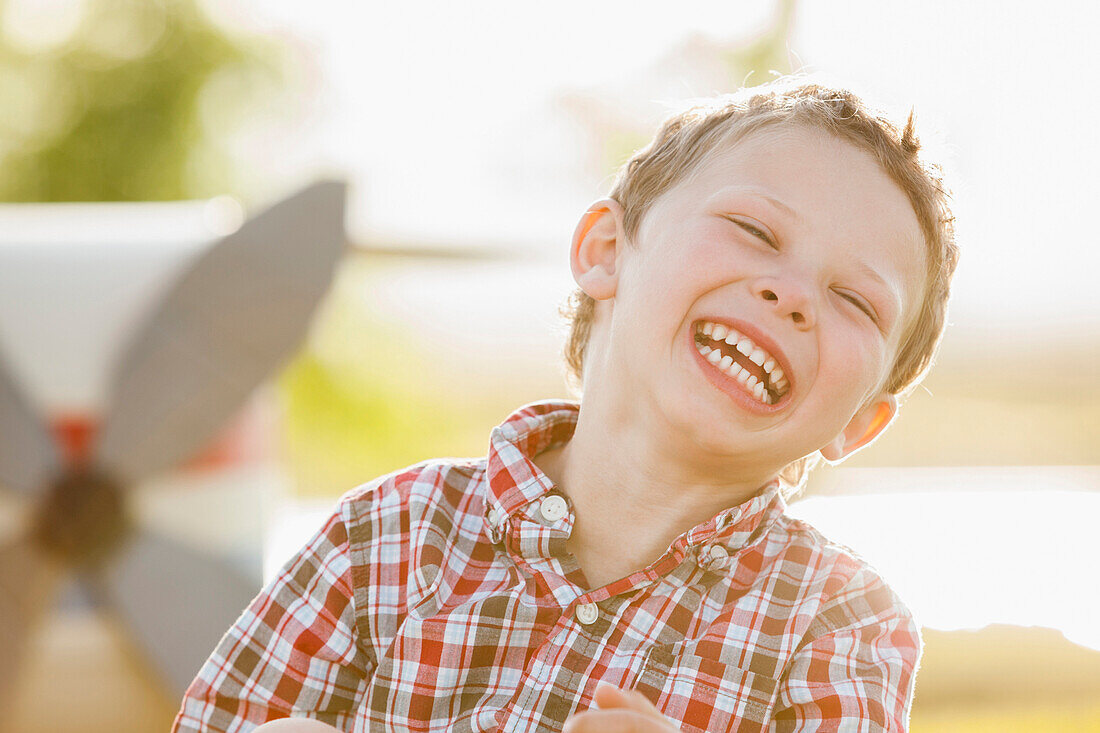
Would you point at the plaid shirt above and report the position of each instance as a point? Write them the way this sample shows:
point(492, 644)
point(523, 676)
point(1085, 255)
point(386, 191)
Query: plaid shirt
point(442, 597)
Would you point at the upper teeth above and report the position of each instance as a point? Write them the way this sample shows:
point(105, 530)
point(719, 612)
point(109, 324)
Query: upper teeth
point(776, 379)
point(744, 344)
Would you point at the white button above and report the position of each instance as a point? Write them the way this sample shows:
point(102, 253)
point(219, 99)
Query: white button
point(587, 613)
point(494, 517)
point(717, 552)
point(553, 508)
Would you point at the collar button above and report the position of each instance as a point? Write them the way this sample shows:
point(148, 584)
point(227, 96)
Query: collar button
point(717, 553)
point(587, 613)
point(553, 508)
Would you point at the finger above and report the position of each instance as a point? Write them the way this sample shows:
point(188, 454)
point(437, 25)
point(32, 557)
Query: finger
point(295, 725)
point(609, 697)
point(615, 721)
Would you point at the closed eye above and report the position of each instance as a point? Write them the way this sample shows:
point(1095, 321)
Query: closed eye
point(755, 231)
point(859, 303)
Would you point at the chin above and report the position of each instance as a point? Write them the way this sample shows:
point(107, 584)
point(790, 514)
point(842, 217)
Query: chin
point(701, 427)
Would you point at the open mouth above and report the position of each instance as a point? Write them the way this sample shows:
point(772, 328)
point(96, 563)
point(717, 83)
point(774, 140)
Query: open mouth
point(738, 356)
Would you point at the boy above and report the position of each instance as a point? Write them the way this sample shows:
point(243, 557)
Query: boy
point(763, 281)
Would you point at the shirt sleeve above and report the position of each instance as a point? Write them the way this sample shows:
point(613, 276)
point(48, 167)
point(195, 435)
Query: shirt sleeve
point(856, 667)
point(294, 650)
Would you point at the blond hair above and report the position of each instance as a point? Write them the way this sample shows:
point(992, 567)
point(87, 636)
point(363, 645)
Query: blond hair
point(687, 138)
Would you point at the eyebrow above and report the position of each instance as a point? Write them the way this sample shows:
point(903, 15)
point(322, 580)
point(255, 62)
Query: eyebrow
point(776, 203)
point(761, 194)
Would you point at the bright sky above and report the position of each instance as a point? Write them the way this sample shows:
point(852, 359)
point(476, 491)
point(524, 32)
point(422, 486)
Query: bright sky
point(434, 110)
point(443, 116)
point(965, 547)
point(438, 113)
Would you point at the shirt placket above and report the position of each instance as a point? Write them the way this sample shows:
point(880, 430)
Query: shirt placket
point(535, 539)
point(534, 536)
point(531, 524)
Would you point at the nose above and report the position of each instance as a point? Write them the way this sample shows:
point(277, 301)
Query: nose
point(790, 297)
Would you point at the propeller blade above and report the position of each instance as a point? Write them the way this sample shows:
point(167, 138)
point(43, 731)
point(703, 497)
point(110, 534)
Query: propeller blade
point(28, 582)
point(174, 601)
point(241, 309)
point(29, 457)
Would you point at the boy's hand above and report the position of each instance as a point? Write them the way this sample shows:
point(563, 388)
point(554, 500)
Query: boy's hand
point(620, 711)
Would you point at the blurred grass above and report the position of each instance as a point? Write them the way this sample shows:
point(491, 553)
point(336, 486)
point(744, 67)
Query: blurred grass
point(370, 393)
point(1020, 718)
point(1006, 678)
point(343, 430)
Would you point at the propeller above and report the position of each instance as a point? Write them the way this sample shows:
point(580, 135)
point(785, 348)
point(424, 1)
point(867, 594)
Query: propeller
point(196, 593)
point(233, 317)
point(28, 455)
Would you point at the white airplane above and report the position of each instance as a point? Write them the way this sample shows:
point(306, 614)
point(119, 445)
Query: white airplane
point(236, 310)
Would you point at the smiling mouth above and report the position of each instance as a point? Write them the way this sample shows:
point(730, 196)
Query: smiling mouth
point(736, 355)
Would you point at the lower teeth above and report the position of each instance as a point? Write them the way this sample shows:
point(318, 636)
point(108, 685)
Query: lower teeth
point(766, 396)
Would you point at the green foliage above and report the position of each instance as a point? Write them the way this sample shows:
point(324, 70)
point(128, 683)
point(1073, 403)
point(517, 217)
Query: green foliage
point(121, 110)
point(369, 396)
point(765, 56)
point(741, 64)
point(619, 145)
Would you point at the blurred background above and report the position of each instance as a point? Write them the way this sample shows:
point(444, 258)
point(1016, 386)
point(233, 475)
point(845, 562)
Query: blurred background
point(472, 135)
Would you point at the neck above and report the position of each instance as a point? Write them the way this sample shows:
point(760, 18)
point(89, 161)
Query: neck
point(633, 491)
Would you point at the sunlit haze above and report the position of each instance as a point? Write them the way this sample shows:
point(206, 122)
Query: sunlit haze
point(444, 116)
point(472, 136)
point(448, 120)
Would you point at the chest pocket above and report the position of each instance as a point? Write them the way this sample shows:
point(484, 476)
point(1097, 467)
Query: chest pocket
point(704, 694)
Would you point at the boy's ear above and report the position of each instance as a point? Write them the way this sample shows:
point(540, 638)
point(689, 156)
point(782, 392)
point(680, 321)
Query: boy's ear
point(594, 252)
point(863, 428)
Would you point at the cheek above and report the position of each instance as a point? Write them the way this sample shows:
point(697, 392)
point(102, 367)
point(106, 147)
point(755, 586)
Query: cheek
point(711, 258)
point(875, 367)
point(862, 360)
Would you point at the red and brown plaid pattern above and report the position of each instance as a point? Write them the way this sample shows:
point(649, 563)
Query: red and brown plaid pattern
point(441, 597)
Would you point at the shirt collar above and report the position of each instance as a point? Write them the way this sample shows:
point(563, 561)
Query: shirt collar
point(514, 481)
point(736, 527)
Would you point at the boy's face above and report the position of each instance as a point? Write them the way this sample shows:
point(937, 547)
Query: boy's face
point(799, 242)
